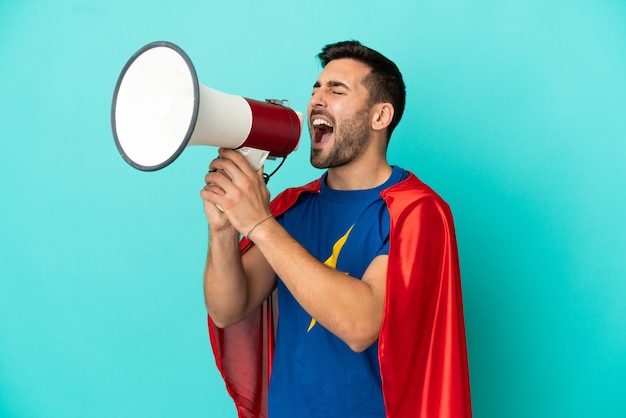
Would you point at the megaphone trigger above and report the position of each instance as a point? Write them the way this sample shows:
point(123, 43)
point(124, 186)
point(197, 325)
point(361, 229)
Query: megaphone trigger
point(256, 157)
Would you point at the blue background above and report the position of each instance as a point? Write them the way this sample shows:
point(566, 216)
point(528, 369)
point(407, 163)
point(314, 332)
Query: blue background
point(516, 115)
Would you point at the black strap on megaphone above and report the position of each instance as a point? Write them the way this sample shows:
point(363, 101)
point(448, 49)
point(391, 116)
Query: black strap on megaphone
point(267, 177)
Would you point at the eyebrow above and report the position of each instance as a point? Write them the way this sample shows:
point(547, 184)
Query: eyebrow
point(332, 83)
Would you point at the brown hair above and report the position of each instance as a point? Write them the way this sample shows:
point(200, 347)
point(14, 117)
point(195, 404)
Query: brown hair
point(384, 82)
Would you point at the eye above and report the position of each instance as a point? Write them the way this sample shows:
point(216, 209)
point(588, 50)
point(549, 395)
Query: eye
point(339, 92)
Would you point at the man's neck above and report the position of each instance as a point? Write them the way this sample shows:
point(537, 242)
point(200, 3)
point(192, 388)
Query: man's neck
point(358, 175)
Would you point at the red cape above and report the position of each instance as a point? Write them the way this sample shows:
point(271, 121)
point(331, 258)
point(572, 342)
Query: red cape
point(421, 345)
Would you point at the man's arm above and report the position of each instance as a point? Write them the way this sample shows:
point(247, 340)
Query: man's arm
point(234, 285)
point(351, 309)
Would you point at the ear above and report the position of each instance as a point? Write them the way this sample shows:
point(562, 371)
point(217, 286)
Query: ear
point(382, 115)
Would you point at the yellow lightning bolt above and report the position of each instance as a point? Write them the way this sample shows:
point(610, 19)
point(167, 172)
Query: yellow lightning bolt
point(332, 262)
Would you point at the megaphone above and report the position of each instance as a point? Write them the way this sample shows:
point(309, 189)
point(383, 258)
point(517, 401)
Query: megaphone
point(159, 108)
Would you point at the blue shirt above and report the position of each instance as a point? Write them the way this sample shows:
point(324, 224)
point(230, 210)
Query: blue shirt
point(314, 373)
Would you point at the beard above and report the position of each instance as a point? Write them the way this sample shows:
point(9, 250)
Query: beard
point(351, 136)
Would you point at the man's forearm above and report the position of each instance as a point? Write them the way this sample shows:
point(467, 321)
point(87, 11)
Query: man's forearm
point(348, 307)
point(225, 286)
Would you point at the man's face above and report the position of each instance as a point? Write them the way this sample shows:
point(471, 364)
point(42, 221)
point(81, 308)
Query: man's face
point(339, 116)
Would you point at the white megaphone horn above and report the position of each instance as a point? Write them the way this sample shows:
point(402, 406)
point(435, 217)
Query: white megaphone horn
point(159, 108)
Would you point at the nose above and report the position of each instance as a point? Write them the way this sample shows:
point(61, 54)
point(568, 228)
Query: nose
point(317, 99)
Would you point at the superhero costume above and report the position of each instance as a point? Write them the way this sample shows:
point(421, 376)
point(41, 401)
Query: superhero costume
point(421, 346)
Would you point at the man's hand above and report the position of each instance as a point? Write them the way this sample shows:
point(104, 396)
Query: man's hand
point(216, 217)
point(235, 194)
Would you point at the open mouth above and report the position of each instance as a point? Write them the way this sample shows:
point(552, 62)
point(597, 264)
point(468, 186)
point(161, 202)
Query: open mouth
point(322, 131)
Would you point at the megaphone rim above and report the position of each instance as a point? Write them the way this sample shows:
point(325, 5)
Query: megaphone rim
point(194, 116)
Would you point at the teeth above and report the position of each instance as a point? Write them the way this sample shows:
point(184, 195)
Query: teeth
point(318, 122)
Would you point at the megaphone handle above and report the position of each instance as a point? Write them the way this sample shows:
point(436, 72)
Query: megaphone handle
point(256, 157)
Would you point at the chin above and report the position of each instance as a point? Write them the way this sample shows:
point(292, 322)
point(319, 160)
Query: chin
point(317, 159)
point(318, 163)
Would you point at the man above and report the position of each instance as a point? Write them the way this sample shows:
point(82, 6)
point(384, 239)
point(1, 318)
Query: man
point(364, 261)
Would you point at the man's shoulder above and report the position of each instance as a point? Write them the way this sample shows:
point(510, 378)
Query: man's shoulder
point(411, 186)
point(411, 192)
point(288, 197)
